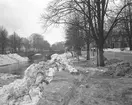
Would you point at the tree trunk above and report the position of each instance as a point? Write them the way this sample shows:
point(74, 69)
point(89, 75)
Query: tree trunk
point(130, 17)
point(97, 57)
point(88, 52)
point(15, 50)
point(130, 44)
point(100, 57)
point(2, 49)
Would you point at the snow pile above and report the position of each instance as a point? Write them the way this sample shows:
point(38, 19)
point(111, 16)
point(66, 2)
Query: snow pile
point(123, 69)
point(112, 61)
point(38, 54)
point(90, 69)
point(24, 91)
point(61, 60)
point(113, 50)
point(126, 50)
point(18, 57)
point(6, 76)
point(11, 59)
point(120, 69)
point(5, 60)
point(28, 91)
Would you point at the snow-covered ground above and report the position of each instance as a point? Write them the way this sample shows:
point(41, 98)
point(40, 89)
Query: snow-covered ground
point(126, 50)
point(11, 59)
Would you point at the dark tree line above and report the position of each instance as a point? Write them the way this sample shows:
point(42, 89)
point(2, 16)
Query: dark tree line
point(3, 39)
point(14, 43)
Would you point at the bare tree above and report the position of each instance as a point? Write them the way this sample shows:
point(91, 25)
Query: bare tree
point(126, 24)
point(62, 13)
point(74, 36)
point(26, 44)
point(95, 12)
point(38, 43)
point(15, 42)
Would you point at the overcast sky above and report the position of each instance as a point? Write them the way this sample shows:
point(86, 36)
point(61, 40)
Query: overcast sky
point(23, 17)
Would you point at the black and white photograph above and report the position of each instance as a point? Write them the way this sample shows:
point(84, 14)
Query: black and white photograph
point(65, 52)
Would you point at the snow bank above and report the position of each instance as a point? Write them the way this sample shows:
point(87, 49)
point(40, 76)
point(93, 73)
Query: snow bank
point(38, 54)
point(11, 59)
point(113, 50)
point(126, 50)
point(61, 60)
point(5, 60)
point(18, 57)
point(6, 76)
point(28, 91)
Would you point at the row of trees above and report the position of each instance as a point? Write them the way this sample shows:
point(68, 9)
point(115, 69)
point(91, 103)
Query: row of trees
point(10, 43)
point(15, 44)
point(94, 20)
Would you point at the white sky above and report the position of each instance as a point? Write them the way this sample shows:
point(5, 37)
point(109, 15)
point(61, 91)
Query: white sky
point(23, 17)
